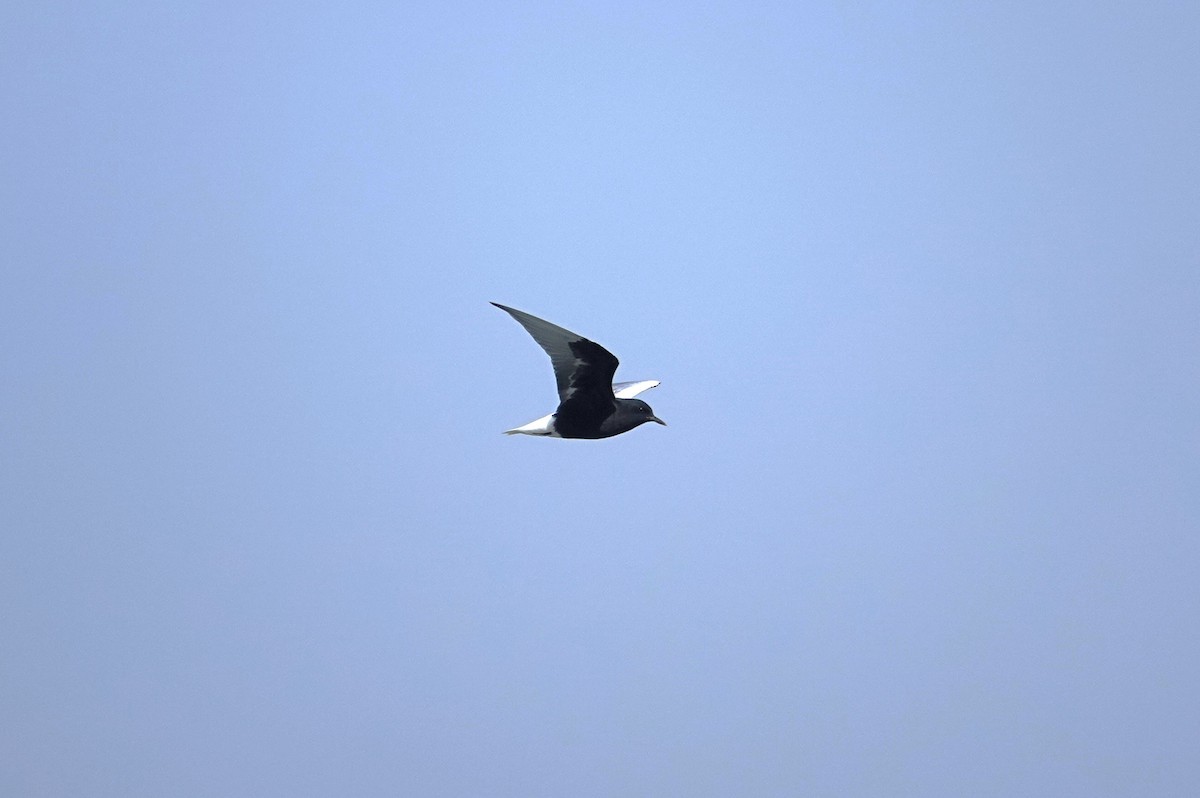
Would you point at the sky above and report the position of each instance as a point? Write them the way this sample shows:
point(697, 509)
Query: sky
point(920, 282)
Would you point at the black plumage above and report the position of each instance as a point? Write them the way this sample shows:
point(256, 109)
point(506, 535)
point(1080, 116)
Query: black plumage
point(583, 371)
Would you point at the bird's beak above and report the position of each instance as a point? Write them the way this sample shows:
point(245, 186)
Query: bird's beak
point(658, 420)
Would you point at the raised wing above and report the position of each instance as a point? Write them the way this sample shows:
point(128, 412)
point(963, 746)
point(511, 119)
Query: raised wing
point(579, 364)
point(628, 390)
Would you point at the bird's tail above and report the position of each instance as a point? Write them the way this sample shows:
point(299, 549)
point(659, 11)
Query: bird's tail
point(543, 426)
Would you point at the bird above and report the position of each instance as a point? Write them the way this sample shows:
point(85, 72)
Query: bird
point(590, 405)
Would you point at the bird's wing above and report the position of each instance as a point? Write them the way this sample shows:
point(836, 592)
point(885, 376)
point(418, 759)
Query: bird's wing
point(579, 364)
point(628, 390)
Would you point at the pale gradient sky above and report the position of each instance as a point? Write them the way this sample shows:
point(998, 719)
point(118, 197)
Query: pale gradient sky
point(922, 284)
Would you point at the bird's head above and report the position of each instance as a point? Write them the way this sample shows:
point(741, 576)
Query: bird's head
point(640, 412)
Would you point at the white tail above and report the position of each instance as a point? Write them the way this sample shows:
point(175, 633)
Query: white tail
point(543, 426)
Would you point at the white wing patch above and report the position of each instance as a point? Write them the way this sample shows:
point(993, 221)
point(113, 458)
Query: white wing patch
point(628, 390)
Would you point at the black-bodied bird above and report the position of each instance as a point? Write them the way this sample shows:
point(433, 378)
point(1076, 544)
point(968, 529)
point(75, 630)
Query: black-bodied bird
point(589, 404)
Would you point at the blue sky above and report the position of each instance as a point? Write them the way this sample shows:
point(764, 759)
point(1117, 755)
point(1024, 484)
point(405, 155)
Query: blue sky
point(921, 283)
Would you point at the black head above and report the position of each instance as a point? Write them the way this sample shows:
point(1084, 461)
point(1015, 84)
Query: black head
point(638, 412)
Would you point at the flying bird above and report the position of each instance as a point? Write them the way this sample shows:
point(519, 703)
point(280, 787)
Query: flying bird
point(589, 404)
